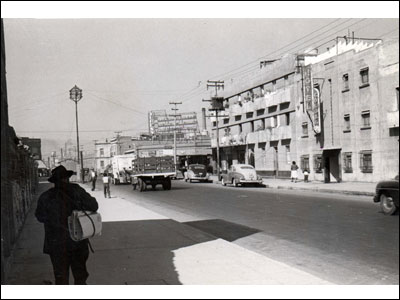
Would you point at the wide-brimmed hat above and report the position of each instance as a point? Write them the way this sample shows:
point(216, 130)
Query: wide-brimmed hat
point(59, 173)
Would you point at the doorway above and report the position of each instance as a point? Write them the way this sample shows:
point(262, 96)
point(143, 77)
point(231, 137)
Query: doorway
point(332, 165)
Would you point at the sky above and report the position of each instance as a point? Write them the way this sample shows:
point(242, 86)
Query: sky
point(127, 67)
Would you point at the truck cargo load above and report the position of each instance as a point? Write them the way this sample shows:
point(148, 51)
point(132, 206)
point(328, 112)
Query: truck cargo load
point(152, 171)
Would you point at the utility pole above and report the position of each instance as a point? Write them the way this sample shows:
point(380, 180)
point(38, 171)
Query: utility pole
point(118, 146)
point(95, 156)
point(175, 115)
point(216, 106)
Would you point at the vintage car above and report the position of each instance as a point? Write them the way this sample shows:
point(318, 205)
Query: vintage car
point(196, 172)
point(387, 193)
point(241, 174)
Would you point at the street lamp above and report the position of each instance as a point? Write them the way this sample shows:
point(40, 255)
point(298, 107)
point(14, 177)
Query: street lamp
point(75, 94)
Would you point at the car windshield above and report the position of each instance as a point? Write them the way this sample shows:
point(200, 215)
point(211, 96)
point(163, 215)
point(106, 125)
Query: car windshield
point(247, 168)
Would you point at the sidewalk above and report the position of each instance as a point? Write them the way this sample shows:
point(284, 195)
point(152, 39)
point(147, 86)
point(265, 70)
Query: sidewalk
point(141, 247)
point(349, 188)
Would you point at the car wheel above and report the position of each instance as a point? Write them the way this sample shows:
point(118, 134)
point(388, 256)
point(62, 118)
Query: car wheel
point(234, 182)
point(387, 205)
point(223, 182)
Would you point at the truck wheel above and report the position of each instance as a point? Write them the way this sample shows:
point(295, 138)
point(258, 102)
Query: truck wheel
point(387, 205)
point(168, 184)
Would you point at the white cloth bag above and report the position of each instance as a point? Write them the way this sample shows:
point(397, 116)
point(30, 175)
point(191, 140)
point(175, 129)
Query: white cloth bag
point(84, 224)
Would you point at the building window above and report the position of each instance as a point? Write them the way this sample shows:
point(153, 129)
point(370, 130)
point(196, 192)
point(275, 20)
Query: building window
point(102, 164)
point(318, 163)
point(226, 120)
point(366, 161)
point(305, 162)
point(260, 112)
point(249, 115)
point(347, 162)
point(345, 79)
point(101, 152)
point(347, 127)
point(238, 118)
point(305, 129)
point(364, 76)
point(366, 119)
point(214, 123)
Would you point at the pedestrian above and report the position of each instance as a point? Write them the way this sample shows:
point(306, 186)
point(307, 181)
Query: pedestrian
point(106, 184)
point(93, 178)
point(293, 173)
point(53, 208)
point(306, 173)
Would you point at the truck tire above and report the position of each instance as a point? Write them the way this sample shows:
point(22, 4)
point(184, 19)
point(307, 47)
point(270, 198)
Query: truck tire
point(167, 184)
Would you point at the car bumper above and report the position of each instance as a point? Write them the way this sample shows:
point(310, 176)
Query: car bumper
point(199, 178)
point(250, 181)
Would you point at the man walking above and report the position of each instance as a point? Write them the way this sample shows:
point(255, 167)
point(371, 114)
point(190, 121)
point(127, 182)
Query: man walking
point(93, 178)
point(106, 184)
point(53, 209)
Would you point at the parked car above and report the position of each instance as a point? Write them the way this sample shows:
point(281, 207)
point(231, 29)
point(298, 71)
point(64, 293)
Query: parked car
point(387, 193)
point(241, 174)
point(196, 172)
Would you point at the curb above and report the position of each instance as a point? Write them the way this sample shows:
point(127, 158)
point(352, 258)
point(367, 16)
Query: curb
point(357, 193)
point(345, 192)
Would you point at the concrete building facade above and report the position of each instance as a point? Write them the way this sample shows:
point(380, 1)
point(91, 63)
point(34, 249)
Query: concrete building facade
point(335, 114)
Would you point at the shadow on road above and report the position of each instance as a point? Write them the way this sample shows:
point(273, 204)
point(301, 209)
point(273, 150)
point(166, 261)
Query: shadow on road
point(223, 229)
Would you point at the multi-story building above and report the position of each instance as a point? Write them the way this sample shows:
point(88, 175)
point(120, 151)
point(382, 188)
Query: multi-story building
point(357, 83)
point(104, 151)
point(335, 114)
point(257, 127)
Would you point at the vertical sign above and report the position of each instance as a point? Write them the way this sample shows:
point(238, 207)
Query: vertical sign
point(316, 111)
point(308, 90)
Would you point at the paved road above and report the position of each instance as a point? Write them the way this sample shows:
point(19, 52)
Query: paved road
point(342, 239)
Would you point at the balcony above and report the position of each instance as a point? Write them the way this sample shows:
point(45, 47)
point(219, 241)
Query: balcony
point(262, 136)
point(278, 97)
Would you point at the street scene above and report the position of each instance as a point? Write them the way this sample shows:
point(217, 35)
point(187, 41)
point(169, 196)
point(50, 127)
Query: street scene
point(201, 152)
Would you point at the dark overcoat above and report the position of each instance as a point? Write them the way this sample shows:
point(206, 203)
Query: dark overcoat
point(54, 207)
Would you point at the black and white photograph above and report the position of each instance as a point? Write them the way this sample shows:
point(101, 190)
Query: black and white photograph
point(200, 149)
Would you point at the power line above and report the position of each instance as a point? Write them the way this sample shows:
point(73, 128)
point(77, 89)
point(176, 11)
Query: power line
point(257, 60)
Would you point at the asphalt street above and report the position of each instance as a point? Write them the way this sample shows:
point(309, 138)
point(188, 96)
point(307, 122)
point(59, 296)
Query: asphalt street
point(340, 238)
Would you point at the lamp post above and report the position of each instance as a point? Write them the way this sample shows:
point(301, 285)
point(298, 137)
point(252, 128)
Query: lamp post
point(75, 94)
